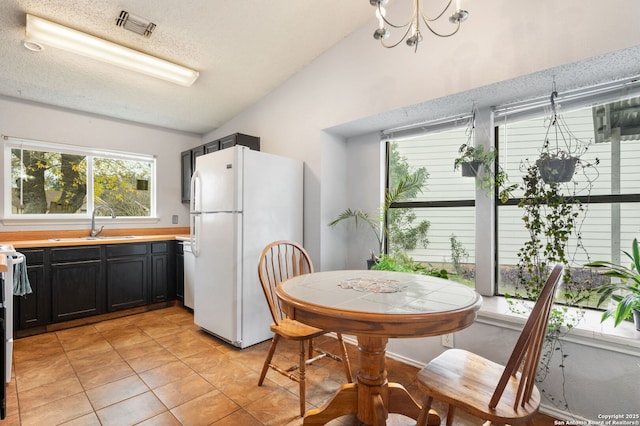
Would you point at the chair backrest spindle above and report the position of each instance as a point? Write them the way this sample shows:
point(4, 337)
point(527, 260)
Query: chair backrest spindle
point(526, 354)
point(280, 261)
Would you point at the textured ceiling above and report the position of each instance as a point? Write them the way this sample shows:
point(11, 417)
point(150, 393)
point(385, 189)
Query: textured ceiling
point(242, 48)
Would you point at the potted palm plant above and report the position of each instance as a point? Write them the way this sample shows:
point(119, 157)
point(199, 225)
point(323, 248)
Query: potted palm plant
point(626, 291)
point(407, 185)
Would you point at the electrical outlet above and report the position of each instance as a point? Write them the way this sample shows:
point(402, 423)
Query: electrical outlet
point(447, 340)
point(174, 219)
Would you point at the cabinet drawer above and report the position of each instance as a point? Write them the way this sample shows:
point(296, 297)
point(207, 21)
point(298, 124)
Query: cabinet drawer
point(162, 247)
point(65, 254)
point(118, 250)
point(34, 257)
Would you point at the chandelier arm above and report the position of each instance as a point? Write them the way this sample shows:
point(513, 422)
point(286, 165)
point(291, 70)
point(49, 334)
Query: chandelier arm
point(426, 18)
point(386, 21)
point(389, 46)
point(439, 34)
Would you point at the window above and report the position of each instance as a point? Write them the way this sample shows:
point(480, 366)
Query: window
point(446, 204)
point(53, 181)
point(610, 212)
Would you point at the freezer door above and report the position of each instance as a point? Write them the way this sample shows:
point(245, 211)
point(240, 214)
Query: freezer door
point(217, 290)
point(219, 181)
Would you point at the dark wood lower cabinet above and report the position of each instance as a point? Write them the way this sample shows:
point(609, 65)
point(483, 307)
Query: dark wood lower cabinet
point(32, 310)
point(77, 290)
point(81, 281)
point(126, 282)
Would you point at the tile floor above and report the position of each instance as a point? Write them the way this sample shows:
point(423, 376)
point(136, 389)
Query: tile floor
point(157, 368)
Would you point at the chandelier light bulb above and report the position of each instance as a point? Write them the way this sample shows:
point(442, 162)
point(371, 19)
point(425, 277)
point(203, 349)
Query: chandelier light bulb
point(411, 28)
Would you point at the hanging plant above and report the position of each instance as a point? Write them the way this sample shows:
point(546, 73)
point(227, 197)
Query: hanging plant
point(476, 161)
point(553, 215)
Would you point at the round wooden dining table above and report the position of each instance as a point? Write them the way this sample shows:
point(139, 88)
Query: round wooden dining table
point(375, 306)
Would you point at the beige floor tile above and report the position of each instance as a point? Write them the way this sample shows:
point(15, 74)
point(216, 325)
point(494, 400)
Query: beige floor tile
point(181, 391)
point(57, 412)
point(50, 392)
point(131, 411)
point(238, 383)
point(96, 361)
point(166, 373)
point(114, 392)
point(240, 417)
point(106, 374)
point(125, 336)
point(207, 359)
point(140, 349)
point(151, 360)
point(90, 419)
point(163, 419)
point(100, 345)
point(277, 408)
point(205, 409)
point(36, 377)
point(203, 380)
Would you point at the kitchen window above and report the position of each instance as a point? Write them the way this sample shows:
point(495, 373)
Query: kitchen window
point(55, 181)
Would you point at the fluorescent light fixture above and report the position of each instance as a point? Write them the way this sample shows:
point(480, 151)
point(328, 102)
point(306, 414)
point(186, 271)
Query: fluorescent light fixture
point(41, 31)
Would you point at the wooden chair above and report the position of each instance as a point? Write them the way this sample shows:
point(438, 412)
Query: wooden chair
point(280, 261)
point(498, 394)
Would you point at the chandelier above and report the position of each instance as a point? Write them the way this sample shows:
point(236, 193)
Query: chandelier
point(412, 27)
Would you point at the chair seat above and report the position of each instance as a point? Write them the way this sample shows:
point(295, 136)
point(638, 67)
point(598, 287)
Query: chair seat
point(294, 330)
point(468, 381)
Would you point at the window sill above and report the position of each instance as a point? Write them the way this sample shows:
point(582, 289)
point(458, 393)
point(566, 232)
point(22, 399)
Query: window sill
point(589, 331)
point(77, 220)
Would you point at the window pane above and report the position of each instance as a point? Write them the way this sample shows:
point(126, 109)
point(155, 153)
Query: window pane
point(47, 182)
point(451, 240)
point(437, 152)
point(604, 228)
point(123, 185)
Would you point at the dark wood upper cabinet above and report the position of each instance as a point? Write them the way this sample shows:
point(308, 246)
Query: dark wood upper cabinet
point(188, 158)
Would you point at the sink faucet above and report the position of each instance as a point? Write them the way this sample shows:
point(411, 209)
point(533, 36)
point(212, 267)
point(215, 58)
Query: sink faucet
point(95, 232)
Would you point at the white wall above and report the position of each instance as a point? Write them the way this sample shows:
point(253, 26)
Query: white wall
point(359, 85)
point(39, 122)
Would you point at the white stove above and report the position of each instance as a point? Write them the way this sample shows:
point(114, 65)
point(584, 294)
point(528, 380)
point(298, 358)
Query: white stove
point(6, 318)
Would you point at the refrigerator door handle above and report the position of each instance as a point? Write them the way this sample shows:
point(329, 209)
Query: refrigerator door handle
point(195, 204)
point(195, 233)
point(196, 192)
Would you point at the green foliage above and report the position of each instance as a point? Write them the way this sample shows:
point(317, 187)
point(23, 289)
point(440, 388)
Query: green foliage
point(400, 233)
point(401, 262)
point(485, 177)
point(626, 292)
point(458, 254)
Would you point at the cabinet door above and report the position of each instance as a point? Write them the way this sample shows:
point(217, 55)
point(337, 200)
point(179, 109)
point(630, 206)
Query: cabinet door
point(126, 282)
point(159, 277)
point(211, 147)
point(252, 142)
point(179, 273)
point(31, 310)
point(186, 175)
point(77, 290)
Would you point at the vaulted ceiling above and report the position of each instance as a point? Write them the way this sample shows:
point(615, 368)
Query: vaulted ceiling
point(242, 48)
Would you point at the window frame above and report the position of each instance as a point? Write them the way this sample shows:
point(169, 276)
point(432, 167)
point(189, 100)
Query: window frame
point(90, 153)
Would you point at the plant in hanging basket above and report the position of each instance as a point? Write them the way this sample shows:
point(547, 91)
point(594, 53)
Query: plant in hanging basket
point(556, 168)
point(475, 161)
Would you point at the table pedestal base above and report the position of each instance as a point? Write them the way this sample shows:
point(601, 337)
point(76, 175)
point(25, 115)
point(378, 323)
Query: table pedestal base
point(371, 398)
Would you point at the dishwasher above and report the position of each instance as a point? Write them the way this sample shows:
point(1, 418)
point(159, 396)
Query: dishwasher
point(189, 274)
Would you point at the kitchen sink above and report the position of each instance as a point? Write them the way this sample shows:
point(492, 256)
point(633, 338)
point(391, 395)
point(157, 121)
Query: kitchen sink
point(67, 240)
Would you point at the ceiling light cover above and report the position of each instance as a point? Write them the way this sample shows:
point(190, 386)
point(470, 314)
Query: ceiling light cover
point(55, 35)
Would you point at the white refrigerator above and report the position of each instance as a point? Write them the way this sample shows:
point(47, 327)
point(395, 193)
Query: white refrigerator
point(241, 200)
